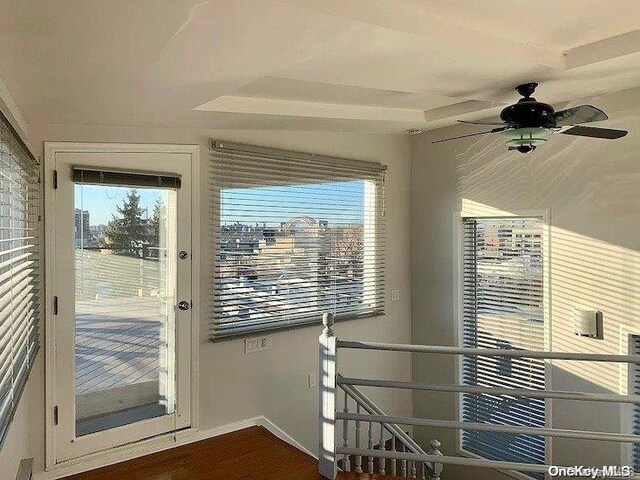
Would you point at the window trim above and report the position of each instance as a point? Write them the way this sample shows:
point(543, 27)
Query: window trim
point(231, 148)
point(469, 211)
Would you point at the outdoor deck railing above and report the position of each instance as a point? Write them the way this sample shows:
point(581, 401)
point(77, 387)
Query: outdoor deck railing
point(405, 457)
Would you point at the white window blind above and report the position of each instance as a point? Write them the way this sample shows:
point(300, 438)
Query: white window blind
point(19, 285)
point(296, 235)
point(634, 369)
point(503, 308)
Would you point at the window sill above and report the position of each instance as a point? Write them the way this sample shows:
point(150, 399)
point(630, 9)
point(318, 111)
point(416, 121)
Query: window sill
point(294, 326)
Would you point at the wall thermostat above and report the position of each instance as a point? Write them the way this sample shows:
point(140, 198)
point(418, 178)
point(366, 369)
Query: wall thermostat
point(588, 323)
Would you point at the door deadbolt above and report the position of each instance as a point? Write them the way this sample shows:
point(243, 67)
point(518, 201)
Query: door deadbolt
point(184, 305)
point(183, 254)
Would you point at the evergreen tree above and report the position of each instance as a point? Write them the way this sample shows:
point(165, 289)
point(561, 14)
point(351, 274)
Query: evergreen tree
point(127, 231)
point(158, 218)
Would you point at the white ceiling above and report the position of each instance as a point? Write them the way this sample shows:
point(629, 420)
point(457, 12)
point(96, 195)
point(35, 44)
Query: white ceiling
point(352, 65)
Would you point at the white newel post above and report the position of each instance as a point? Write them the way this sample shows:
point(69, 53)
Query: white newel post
point(327, 461)
point(437, 467)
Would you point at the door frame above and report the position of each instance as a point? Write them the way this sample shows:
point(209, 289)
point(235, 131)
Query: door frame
point(50, 151)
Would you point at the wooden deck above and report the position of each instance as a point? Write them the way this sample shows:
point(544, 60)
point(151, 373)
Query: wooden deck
point(118, 342)
point(250, 454)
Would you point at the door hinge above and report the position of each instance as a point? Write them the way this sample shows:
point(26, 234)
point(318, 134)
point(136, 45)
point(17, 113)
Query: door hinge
point(55, 415)
point(55, 305)
point(55, 179)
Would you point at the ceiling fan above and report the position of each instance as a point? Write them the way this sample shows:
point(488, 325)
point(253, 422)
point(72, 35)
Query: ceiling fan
point(528, 123)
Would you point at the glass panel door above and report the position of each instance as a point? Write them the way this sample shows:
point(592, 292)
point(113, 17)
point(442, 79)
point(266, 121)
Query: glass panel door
point(121, 277)
point(125, 264)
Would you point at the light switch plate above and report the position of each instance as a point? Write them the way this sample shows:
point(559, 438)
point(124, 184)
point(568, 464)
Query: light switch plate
point(395, 295)
point(254, 345)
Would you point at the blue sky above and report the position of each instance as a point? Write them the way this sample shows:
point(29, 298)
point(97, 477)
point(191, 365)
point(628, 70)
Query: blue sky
point(336, 202)
point(101, 201)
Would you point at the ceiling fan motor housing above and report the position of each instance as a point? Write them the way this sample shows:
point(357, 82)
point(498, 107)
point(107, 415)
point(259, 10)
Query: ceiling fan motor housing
point(529, 113)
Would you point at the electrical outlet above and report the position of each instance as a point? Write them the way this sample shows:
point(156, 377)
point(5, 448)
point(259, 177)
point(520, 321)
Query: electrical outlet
point(312, 380)
point(395, 295)
point(254, 345)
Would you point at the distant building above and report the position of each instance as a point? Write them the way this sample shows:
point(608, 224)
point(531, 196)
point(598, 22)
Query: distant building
point(82, 229)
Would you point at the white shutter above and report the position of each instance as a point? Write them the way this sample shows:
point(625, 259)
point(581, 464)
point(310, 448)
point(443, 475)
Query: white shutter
point(19, 260)
point(635, 390)
point(296, 235)
point(503, 308)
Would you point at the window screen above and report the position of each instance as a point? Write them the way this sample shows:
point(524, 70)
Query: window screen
point(503, 308)
point(19, 285)
point(296, 235)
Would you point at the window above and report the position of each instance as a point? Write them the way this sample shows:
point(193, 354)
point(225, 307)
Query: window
point(634, 389)
point(296, 235)
point(19, 287)
point(503, 308)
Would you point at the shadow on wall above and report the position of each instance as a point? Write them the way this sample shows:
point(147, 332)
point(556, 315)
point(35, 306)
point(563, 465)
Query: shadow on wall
point(591, 189)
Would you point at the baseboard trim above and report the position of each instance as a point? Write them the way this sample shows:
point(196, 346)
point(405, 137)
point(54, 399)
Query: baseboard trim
point(155, 445)
point(282, 435)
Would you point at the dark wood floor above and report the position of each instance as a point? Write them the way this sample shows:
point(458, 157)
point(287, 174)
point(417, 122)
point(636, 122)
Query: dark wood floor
point(253, 453)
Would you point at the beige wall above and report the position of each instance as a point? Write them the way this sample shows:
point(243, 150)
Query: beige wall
point(592, 190)
point(16, 445)
point(234, 386)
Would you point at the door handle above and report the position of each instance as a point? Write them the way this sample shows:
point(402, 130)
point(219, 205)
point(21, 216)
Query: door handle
point(184, 305)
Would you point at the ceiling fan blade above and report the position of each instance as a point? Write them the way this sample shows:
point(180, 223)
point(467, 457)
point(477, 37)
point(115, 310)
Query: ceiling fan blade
point(494, 130)
point(596, 132)
point(578, 115)
point(482, 123)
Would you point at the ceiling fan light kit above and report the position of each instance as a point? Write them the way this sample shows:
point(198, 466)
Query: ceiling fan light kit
point(529, 123)
point(526, 139)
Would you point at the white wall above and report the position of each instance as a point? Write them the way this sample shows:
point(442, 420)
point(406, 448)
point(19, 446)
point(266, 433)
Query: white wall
point(234, 386)
point(592, 188)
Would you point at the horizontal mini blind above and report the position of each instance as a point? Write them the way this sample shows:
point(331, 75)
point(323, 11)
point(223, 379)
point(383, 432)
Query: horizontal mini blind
point(19, 282)
point(503, 308)
point(296, 235)
point(635, 390)
point(125, 178)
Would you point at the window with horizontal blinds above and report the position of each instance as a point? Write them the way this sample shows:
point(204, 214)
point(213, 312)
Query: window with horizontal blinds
point(634, 370)
point(503, 308)
point(296, 235)
point(19, 282)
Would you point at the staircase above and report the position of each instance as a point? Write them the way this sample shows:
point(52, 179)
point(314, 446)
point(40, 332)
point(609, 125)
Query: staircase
point(357, 436)
point(376, 445)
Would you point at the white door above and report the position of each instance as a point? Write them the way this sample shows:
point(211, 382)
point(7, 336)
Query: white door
point(121, 293)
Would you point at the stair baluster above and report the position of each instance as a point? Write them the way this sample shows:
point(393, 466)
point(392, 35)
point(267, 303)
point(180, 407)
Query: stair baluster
point(403, 463)
point(358, 445)
point(370, 446)
point(414, 471)
point(382, 461)
point(393, 460)
point(346, 461)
